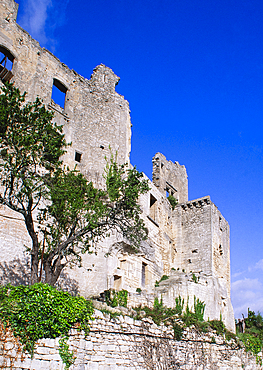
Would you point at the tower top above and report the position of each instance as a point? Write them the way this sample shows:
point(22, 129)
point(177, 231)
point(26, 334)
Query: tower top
point(9, 9)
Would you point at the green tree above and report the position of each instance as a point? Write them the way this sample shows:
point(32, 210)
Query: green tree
point(78, 215)
point(30, 148)
point(72, 215)
point(253, 335)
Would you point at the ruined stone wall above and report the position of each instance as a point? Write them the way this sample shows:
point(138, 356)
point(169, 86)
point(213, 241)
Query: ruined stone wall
point(181, 245)
point(201, 264)
point(191, 239)
point(200, 230)
point(170, 177)
point(94, 116)
point(205, 288)
point(125, 343)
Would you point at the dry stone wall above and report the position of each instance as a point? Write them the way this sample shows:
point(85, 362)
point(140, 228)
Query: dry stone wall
point(124, 343)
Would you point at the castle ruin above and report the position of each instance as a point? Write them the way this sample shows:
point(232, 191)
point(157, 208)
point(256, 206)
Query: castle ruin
point(189, 243)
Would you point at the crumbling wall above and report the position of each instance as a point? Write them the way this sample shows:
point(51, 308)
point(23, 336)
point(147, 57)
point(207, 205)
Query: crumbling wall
point(125, 343)
point(93, 116)
point(201, 264)
point(205, 287)
point(170, 178)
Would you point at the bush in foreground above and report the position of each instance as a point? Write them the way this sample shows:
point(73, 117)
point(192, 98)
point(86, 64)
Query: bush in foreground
point(41, 311)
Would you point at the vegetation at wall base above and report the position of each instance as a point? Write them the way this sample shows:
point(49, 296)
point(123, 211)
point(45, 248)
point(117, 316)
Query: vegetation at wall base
point(182, 317)
point(41, 311)
point(116, 298)
point(175, 317)
point(252, 338)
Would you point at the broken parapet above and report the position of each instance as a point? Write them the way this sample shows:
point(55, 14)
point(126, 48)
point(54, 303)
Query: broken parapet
point(170, 177)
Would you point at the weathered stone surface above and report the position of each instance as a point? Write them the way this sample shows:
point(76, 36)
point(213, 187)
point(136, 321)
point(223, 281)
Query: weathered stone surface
point(144, 346)
point(191, 240)
point(170, 177)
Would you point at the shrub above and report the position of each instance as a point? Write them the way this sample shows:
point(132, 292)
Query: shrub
point(253, 336)
point(173, 201)
point(218, 326)
point(199, 309)
point(41, 311)
point(179, 305)
point(164, 277)
point(116, 298)
point(252, 344)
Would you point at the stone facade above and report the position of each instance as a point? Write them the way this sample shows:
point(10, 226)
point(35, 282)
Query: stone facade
point(189, 243)
point(125, 343)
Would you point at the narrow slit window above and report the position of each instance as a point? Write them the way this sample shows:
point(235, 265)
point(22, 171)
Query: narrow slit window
point(143, 274)
point(78, 156)
point(6, 64)
point(59, 92)
point(153, 207)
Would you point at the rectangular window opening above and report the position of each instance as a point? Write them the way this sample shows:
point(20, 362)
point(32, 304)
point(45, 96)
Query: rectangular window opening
point(78, 156)
point(59, 92)
point(117, 282)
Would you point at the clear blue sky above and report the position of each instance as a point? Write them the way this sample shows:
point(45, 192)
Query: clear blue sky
point(192, 72)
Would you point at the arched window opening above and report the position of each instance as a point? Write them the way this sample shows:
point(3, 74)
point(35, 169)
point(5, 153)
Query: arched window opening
point(6, 64)
point(59, 92)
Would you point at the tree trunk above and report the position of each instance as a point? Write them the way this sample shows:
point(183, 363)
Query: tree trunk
point(52, 271)
point(34, 251)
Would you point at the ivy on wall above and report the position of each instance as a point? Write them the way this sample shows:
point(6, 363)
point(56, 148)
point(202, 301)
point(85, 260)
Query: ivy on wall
point(41, 311)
